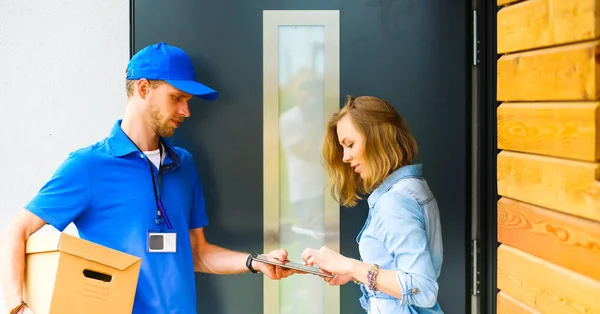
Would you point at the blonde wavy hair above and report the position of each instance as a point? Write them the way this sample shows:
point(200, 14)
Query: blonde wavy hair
point(389, 145)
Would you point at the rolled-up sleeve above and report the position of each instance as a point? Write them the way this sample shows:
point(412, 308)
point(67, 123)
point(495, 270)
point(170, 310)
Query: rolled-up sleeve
point(401, 228)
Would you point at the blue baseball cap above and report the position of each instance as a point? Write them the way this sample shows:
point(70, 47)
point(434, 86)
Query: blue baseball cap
point(171, 64)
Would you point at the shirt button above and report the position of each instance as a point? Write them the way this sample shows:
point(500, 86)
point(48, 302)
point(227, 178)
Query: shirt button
point(415, 290)
point(141, 156)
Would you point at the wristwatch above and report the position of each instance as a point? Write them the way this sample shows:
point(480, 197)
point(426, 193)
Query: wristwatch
point(249, 263)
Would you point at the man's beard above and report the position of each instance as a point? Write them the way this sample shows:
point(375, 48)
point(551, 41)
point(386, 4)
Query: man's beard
point(159, 124)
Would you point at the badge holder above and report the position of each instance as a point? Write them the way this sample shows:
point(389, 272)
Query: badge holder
point(161, 241)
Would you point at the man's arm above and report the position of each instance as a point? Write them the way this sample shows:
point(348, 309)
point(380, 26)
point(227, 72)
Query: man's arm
point(12, 255)
point(209, 258)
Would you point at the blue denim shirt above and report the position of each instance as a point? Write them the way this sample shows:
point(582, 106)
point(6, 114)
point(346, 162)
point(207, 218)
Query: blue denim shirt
point(403, 233)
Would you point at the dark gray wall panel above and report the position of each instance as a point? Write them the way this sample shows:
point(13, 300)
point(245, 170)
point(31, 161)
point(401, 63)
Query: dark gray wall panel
point(411, 53)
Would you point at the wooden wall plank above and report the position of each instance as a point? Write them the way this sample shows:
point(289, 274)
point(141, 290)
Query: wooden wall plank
point(503, 2)
point(569, 130)
point(543, 23)
point(564, 185)
point(508, 305)
point(551, 74)
point(562, 239)
point(544, 286)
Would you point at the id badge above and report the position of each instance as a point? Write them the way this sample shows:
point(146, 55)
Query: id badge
point(161, 241)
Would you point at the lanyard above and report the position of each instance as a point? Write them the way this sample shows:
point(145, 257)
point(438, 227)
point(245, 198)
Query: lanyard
point(160, 210)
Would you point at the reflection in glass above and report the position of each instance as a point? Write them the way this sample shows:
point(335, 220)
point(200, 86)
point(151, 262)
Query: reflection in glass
point(301, 176)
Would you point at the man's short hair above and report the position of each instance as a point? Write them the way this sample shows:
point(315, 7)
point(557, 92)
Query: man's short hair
point(130, 85)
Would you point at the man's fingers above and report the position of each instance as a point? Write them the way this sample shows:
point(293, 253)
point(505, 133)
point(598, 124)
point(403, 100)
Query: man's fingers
point(277, 273)
point(269, 270)
point(282, 273)
point(299, 272)
point(283, 254)
point(287, 272)
point(280, 254)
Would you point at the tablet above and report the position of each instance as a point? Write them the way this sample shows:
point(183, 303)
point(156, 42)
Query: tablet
point(291, 265)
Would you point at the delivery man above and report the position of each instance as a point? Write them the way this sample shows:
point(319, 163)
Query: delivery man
point(136, 193)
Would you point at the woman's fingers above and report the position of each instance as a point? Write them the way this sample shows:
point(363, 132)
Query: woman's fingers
point(309, 256)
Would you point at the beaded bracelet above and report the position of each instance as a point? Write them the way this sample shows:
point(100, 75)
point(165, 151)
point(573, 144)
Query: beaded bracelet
point(18, 308)
point(372, 277)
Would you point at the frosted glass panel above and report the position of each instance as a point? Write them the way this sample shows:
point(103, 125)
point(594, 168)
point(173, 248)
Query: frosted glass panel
point(301, 176)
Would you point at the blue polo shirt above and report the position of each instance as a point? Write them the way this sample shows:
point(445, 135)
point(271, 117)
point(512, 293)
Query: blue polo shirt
point(106, 190)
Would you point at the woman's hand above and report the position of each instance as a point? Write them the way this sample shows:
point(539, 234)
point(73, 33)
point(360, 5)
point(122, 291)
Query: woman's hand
point(338, 280)
point(328, 261)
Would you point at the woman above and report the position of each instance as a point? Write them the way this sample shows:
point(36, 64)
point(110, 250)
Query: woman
point(368, 149)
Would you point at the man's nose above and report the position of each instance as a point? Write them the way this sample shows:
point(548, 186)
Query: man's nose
point(185, 110)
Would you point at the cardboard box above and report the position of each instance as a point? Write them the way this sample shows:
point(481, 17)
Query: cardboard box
point(65, 274)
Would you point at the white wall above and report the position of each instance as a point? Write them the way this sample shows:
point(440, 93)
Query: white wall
point(62, 71)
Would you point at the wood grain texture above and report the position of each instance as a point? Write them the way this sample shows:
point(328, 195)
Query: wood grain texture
point(569, 130)
point(564, 185)
point(543, 23)
point(503, 2)
point(508, 305)
point(562, 239)
point(543, 286)
point(552, 74)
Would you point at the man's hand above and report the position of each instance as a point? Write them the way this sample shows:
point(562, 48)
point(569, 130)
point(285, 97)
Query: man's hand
point(271, 271)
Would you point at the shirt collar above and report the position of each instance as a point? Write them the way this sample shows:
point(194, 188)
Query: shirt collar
point(120, 145)
point(409, 171)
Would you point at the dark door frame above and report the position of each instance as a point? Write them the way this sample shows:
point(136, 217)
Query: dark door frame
point(131, 28)
point(486, 25)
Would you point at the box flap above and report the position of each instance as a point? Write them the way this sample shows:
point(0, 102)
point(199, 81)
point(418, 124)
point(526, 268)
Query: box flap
point(82, 248)
point(95, 252)
point(39, 243)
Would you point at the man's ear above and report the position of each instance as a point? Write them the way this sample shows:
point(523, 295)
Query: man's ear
point(143, 88)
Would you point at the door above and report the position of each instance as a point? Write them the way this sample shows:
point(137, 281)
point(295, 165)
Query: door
point(411, 53)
